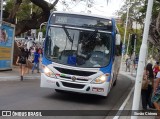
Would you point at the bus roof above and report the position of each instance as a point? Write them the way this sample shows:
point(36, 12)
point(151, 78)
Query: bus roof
point(84, 14)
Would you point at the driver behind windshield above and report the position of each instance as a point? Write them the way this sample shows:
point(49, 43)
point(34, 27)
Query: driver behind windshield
point(89, 47)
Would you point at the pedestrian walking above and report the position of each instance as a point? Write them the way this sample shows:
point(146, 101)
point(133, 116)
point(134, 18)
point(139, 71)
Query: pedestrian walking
point(128, 63)
point(21, 61)
point(36, 61)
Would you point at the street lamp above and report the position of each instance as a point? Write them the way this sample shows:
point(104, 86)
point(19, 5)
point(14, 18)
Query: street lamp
point(42, 24)
point(40, 34)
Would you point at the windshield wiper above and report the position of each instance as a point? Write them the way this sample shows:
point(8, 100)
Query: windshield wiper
point(67, 33)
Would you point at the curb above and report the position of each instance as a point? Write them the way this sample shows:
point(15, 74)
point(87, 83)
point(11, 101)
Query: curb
point(127, 75)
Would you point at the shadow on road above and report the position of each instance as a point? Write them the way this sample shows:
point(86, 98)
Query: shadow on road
point(77, 97)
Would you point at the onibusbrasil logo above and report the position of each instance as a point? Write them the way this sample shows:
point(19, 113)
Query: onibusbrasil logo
point(21, 113)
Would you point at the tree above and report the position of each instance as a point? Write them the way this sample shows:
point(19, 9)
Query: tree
point(26, 21)
point(155, 25)
point(20, 9)
point(135, 14)
point(139, 15)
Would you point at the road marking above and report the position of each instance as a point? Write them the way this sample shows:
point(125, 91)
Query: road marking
point(128, 97)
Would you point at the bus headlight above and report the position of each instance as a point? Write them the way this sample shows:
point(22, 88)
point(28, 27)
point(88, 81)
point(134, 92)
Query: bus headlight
point(100, 79)
point(48, 72)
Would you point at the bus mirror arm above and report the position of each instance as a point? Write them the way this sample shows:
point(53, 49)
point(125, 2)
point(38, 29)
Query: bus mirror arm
point(118, 39)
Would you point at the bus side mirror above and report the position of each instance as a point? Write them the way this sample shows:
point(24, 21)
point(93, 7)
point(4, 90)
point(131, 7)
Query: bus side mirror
point(118, 39)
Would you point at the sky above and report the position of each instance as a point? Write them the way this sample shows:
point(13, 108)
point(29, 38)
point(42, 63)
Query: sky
point(99, 7)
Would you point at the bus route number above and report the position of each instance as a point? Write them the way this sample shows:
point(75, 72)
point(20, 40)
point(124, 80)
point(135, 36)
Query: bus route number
point(61, 20)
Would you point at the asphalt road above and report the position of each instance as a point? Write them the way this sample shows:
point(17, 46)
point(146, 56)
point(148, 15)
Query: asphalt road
point(27, 95)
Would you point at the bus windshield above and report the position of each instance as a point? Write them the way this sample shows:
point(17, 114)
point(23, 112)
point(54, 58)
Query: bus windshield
point(78, 47)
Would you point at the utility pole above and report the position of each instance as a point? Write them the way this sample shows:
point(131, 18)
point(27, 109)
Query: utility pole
point(141, 63)
point(1, 19)
point(128, 43)
point(124, 41)
point(134, 50)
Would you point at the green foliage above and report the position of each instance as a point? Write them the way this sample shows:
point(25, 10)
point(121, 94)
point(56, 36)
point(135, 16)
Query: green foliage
point(130, 31)
point(135, 13)
point(24, 11)
point(9, 5)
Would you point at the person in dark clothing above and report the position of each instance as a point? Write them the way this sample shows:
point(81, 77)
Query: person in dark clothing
point(144, 90)
point(146, 96)
point(150, 84)
point(27, 53)
point(21, 61)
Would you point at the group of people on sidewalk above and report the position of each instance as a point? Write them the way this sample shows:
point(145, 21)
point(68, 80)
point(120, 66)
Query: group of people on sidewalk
point(131, 64)
point(23, 61)
point(150, 91)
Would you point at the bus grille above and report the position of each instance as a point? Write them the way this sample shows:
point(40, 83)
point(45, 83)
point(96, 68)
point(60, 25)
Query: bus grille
point(72, 85)
point(74, 72)
point(77, 79)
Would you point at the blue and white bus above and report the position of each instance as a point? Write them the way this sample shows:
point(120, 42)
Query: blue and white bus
point(82, 53)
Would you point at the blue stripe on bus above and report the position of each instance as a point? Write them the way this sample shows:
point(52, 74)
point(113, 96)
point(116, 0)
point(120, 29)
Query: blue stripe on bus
point(46, 62)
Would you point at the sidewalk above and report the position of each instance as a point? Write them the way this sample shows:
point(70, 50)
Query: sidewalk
point(13, 75)
point(129, 103)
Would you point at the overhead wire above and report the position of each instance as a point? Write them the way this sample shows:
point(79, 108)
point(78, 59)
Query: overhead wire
point(76, 4)
point(62, 2)
point(68, 8)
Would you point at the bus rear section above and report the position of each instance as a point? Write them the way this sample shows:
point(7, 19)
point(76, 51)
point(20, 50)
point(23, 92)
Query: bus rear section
point(79, 54)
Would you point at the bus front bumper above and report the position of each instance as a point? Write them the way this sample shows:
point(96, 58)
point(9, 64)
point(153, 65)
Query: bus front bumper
point(88, 88)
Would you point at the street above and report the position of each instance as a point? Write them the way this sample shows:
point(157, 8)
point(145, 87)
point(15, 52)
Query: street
point(27, 95)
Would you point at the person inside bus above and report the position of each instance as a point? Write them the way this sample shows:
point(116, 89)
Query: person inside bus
point(83, 52)
point(128, 64)
point(95, 49)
